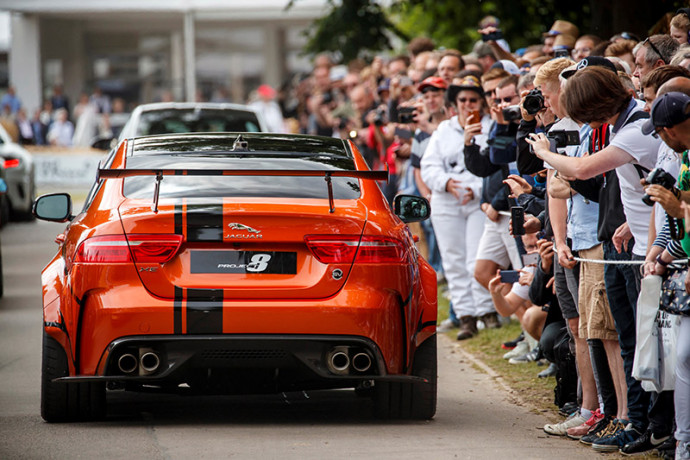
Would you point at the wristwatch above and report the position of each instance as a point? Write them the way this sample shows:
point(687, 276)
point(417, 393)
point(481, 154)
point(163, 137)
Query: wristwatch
point(661, 261)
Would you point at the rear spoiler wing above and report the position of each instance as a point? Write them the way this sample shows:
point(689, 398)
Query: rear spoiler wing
point(159, 173)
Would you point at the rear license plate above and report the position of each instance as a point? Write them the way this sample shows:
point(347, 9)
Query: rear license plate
point(267, 262)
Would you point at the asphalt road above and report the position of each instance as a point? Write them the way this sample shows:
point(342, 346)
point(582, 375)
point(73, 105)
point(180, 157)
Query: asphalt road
point(476, 417)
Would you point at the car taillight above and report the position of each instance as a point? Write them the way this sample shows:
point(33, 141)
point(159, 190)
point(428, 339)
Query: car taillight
point(339, 249)
point(133, 248)
point(12, 163)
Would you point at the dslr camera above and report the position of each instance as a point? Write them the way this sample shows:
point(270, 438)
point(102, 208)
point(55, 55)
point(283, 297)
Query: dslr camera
point(658, 176)
point(380, 118)
point(562, 138)
point(512, 113)
point(534, 102)
point(406, 114)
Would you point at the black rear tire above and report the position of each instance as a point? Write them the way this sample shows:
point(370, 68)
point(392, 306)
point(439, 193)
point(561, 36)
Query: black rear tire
point(411, 400)
point(67, 402)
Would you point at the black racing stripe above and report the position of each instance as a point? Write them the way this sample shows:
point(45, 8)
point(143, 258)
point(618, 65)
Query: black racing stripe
point(205, 222)
point(177, 311)
point(179, 214)
point(204, 311)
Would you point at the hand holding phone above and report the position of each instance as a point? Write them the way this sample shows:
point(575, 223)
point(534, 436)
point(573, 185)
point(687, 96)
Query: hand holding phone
point(517, 218)
point(510, 276)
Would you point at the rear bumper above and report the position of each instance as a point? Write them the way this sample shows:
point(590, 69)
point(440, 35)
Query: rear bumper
point(243, 363)
point(375, 315)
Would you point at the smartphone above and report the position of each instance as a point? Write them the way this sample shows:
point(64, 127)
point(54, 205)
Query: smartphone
point(510, 276)
point(530, 259)
point(517, 217)
point(474, 117)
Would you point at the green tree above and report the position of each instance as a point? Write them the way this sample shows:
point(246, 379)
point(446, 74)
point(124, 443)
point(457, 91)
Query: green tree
point(360, 28)
point(352, 28)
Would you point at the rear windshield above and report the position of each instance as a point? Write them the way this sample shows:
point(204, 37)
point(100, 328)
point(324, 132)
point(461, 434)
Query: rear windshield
point(200, 121)
point(242, 186)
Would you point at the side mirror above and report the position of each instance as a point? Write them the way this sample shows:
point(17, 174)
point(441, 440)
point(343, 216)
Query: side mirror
point(411, 208)
point(54, 207)
point(103, 143)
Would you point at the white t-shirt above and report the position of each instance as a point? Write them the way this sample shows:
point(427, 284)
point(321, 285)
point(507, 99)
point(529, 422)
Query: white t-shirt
point(643, 149)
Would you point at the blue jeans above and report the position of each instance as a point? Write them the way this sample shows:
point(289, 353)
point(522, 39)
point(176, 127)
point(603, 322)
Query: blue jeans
point(622, 290)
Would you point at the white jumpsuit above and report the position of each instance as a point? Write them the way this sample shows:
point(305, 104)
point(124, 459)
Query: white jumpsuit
point(458, 227)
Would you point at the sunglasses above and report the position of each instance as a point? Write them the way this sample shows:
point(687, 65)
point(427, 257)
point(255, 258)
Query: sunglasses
point(468, 99)
point(505, 99)
point(655, 133)
point(655, 49)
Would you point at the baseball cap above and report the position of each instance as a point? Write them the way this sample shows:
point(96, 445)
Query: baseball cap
point(563, 27)
point(508, 66)
point(432, 82)
point(590, 61)
point(266, 91)
point(668, 110)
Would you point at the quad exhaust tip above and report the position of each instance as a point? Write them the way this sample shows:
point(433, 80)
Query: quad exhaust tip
point(339, 362)
point(147, 362)
point(127, 363)
point(150, 362)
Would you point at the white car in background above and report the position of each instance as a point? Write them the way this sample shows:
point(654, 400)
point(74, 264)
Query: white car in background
point(20, 179)
point(190, 117)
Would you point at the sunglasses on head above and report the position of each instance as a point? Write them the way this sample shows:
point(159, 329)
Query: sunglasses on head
point(655, 49)
point(468, 99)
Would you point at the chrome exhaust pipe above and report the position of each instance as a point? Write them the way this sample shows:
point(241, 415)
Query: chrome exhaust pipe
point(150, 362)
point(361, 362)
point(338, 360)
point(127, 363)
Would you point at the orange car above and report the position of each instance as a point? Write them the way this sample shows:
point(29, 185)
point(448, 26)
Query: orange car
point(224, 263)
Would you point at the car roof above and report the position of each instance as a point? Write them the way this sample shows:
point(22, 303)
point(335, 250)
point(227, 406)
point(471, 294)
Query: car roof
point(193, 105)
point(218, 143)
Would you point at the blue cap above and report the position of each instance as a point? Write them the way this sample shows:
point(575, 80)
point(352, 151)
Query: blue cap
point(668, 110)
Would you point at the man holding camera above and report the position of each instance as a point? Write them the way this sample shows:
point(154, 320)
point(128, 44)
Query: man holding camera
point(596, 96)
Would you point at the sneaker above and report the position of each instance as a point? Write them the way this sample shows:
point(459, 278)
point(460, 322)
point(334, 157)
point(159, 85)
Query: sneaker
point(528, 357)
point(667, 448)
point(579, 431)
point(560, 429)
point(548, 372)
point(520, 349)
point(568, 408)
point(607, 426)
point(643, 444)
point(614, 442)
point(491, 321)
point(509, 345)
point(447, 325)
point(683, 450)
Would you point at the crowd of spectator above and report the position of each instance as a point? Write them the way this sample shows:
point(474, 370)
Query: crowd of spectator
point(559, 133)
point(58, 124)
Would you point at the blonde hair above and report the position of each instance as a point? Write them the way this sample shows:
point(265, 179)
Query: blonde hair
point(549, 72)
point(620, 48)
point(681, 21)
